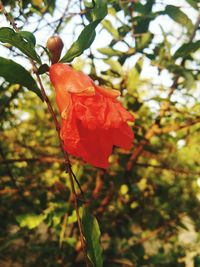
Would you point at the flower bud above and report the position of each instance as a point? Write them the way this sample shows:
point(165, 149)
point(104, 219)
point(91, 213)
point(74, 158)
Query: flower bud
point(55, 46)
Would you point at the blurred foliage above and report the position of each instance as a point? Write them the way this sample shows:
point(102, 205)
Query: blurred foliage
point(147, 203)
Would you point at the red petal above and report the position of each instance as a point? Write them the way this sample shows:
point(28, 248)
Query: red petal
point(107, 92)
point(100, 112)
point(123, 136)
point(93, 146)
point(69, 80)
point(93, 121)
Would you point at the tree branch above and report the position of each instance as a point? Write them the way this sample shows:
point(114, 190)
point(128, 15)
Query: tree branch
point(66, 156)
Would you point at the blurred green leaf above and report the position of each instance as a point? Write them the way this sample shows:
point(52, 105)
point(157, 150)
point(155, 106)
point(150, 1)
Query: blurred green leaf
point(189, 79)
point(71, 241)
point(179, 16)
point(197, 261)
point(109, 51)
point(123, 30)
point(193, 3)
point(134, 76)
point(110, 28)
point(144, 40)
point(72, 218)
point(8, 35)
point(51, 6)
point(4, 100)
point(187, 49)
point(144, 9)
point(142, 23)
point(115, 65)
point(16, 74)
point(92, 235)
point(100, 9)
point(31, 220)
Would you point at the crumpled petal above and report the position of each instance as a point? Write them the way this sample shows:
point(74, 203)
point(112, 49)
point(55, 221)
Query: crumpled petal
point(71, 81)
point(93, 120)
point(107, 92)
point(100, 111)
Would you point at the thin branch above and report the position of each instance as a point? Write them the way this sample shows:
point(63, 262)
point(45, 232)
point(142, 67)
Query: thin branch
point(40, 159)
point(66, 156)
point(67, 162)
point(163, 167)
point(60, 21)
point(122, 262)
point(99, 181)
point(171, 128)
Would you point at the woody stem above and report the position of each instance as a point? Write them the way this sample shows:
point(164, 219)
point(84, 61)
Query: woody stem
point(66, 156)
point(68, 165)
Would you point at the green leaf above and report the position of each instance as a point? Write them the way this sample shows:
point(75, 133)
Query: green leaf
point(88, 34)
point(72, 218)
point(92, 235)
point(144, 9)
point(110, 28)
point(16, 74)
point(28, 36)
point(115, 65)
point(189, 79)
point(144, 40)
point(109, 51)
point(30, 220)
point(83, 42)
point(8, 35)
point(51, 6)
point(193, 3)
point(142, 22)
point(133, 80)
point(100, 9)
point(187, 49)
point(179, 16)
point(43, 69)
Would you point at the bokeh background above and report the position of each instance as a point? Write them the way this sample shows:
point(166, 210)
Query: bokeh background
point(148, 201)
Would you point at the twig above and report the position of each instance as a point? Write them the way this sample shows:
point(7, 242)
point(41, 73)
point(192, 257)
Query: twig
point(63, 230)
point(99, 181)
point(77, 182)
point(8, 16)
point(67, 162)
point(66, 156)
point(122, 262)
point(163, 167)
point(60, 21)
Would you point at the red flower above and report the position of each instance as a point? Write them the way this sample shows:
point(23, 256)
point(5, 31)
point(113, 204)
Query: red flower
point(93, 121)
